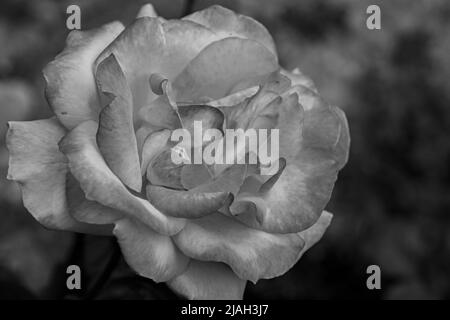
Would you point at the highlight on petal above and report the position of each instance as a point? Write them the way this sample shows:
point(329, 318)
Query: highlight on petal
point(101, 185)
point(154, 45)
point(150, 254)
point(208, 281)
point(230, 24)
point(147, 10)
point(299, 78)
point(234, 98)
point(115, 136)
point(71, 90)
point(142, 133)
point(222, 64)
point(252, 254)
point(40, 169)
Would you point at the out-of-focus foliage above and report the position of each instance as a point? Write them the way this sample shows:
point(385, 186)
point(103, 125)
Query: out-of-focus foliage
point(392, 200)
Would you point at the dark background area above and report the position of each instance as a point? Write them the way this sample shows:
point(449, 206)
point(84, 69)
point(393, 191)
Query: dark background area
point(391, 201)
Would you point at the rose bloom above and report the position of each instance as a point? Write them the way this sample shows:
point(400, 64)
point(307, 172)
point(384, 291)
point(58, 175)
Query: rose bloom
point(102, 164)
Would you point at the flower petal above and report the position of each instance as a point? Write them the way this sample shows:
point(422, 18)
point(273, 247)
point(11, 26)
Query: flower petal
point(294, 202)
point(153, 45)
point(162, 112)
point(252, 254)
point(150, 254)
point(261, 109)
point(228, 180)
point(313, 234)
point(194, 175)
point(40, 169)
point(162, 171)
point(115, 136)
point(201, 200)
point(230, 24)
point(85, 210)
point(222, 64)
point(208, 281)
point(186, 204)
point(101, 185)
point(153, 145)
point(234, 98)
point(147, 10)
point(304, 188)
point(299, 78)
point(210, 117)
point(71, 90)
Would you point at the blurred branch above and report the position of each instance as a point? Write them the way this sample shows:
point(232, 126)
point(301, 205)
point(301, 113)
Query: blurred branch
point(188, 7)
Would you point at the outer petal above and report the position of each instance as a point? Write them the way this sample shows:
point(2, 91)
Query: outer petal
point(147, 10)
point(101, 185)
point(313, 234)
point(115, 136)
point(298, 78)
point(85, 210)
point(71, 90)
point(152, 45)
point(208, 281)
point(294, 202)
point(251, 253)
point(230, 24)
point(216, 70)
point(304, 188)
point(40, 169)
point(150, 254)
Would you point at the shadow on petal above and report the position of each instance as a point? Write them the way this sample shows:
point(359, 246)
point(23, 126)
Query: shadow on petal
point(252, 254)
point(149, 253)
point(208, 281)
point(115, 136)
point(101, 185)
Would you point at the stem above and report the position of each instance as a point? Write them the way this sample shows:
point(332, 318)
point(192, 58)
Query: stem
point(105, 275)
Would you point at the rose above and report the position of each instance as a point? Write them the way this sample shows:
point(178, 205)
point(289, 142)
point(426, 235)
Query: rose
point(104, 160)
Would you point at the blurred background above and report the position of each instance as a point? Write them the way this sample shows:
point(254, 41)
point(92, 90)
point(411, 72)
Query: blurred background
point(391, 201)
